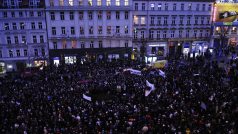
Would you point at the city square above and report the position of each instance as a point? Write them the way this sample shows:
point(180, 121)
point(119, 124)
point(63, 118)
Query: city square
point(118, 66)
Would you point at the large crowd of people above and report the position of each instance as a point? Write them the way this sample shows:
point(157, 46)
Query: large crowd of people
point(195, 96)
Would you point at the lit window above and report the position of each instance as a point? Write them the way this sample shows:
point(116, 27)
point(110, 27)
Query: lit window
point(108, 2)
point(136, 20)
point(71, 2)
point(126, 3)
point(142, 21)
point(117, 2)
point(90, 2)
point(99, 2)
point(61, 2)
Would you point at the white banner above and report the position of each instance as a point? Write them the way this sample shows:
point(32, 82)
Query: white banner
point(161, 73)
point(133, 71)
point(87, 97)
point(152, 87)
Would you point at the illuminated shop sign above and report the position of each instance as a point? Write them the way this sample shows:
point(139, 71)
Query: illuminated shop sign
point(226, 12)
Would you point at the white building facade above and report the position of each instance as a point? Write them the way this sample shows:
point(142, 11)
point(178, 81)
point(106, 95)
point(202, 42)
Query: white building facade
point(94, 29)
point(163, 27)
point(23, 37)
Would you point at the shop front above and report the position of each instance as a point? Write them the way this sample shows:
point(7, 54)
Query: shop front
point(2, 68)
point(199, 48)
point(155, 51)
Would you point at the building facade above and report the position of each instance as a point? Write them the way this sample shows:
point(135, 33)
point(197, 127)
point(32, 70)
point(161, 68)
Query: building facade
point(174, 27)
point(23, 37)
point(91, 29)
point(225, 23)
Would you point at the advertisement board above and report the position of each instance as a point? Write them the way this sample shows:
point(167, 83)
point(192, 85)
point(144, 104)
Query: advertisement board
point(226, 13)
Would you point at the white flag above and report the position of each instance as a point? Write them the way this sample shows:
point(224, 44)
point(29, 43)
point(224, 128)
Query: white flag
point(87, 97)
point(133, 71)
point(152, 87)
point(161, 73)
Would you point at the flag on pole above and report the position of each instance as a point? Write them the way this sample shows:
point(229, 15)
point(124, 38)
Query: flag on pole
point(87, 97)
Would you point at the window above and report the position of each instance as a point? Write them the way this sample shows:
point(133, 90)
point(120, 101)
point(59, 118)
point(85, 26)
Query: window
point(182, 6)
point(174, 6)
point(196, 20)
point(52, 3)
point(108, 2)
point(80, 15)
point(14, 26)
point(109, 29)
point(100, 44)
point(23, 39)
point(151, 34)
point(91, 44)
point(172, 34)
point(197, 7)
point(117, 15)
point(135, 34)
point(20, 14)
point(10, 53)
point(195, 33)
point(39, 14)
point(126, 3)
point(36, 52)
point(91, 30)
point(187, 33)
point(25, 52)
point(90, 2)
point(181, 20)
point(82, 44)
point(55, 45)
point(136, 20)
point(42, 39)
point(117, 2)
point(143, 6)
point(90, 15)
point(126, 15)
point(40, 25)
point(166, 7)
point(99, 2)
point(136, 6)
point(152, 20)
point(201, 33)
point(74, 44)
point(126, 43)
point(99, 15)
point(152, 6)
point(189, 20)
point(64, 44)
point(61, 15)
point(190, 7)
point(16, 39)
point(81, 30)
point(63, 30)
point(72, 30)
point(158, 20)
point(80, 2)
point(13, 14)
point(43, 52)
point(209, 7)
point(18, 53)
point(5, 14)
point(61, 2)
point(142, 21)
point(142, 34)
point(159, 6)
point(33, 25)
point(208, 20)
point(158, 35)
point(0, 53)
point(126, 30)
point(173, 20)
point(108, 15)
point(117, 29)
point(9, 40)
point(71, 2)
point(52, 15)
point(203, 7)
point(165, 20)
point(180, 33)
point(6, 26)
point(207, 33)
point(202, 20)
point(99, 29)
point(34, 39)
point(31, 13)
point(53, 30)
point(164, 34)
point(71, 15)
